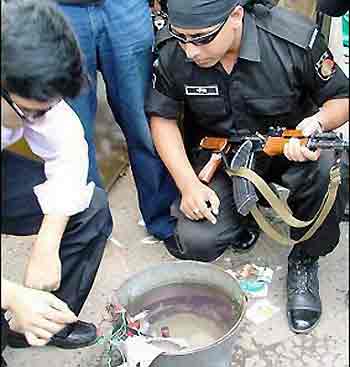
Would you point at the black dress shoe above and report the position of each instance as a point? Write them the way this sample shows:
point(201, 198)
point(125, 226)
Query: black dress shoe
point(78, 335)
point(246, 241)
point(304, 306)
point(3, 362)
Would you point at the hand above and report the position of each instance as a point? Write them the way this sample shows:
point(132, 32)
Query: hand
point(39, 315)
point(296, 152)
point(195, 200)
point(43, 270)
point(311, 125)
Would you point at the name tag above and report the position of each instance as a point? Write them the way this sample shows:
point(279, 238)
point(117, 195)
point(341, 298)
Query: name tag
point(210, 90)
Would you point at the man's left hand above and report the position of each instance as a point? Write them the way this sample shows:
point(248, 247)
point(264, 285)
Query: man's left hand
point(311, 125)
point(296, 152)
point(43, 270)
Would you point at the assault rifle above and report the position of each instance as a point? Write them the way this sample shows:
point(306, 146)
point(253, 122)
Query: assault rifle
point(245, 145)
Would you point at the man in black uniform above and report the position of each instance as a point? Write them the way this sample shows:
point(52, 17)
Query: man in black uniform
point(235, 68)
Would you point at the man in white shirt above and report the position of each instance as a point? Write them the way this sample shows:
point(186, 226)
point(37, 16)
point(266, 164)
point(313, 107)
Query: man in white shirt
point(41, 66)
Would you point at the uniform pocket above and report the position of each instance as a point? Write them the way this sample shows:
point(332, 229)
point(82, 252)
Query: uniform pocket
point(270, 106)
point(209, 106)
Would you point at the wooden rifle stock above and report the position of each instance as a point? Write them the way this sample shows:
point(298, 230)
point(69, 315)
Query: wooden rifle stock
point(217, 146)
point(207, 172)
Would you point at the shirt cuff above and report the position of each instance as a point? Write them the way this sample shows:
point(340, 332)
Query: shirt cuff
point(57, 200)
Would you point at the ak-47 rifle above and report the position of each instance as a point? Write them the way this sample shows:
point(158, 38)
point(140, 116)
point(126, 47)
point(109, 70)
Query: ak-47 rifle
point(245, 180)
point(271, 144)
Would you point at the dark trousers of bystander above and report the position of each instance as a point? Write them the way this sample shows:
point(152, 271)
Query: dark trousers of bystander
point(83, 241)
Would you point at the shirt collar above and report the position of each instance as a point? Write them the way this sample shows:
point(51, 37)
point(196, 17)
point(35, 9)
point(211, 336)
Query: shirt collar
point(250, 49)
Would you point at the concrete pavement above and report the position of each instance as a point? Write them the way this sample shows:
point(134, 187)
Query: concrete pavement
point(270, 344)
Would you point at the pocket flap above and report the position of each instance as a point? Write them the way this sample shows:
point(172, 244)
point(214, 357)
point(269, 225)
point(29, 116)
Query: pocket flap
point(269, 106)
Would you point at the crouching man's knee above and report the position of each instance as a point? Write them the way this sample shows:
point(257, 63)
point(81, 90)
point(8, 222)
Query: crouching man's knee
point(194, 243)
point(95, 221)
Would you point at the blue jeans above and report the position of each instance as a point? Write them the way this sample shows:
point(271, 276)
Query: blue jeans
point(116, 38)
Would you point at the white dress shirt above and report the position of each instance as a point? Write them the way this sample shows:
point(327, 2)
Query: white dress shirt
point(57, 138)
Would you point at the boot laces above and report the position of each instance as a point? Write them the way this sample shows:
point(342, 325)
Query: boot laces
point(306, 278)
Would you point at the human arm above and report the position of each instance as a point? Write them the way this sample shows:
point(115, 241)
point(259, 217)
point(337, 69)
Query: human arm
point(162, 106)
point(329, 88)
point(44, 266)
point(333, 114)
point(59, 140)
point(38, 314)
point(195, 195)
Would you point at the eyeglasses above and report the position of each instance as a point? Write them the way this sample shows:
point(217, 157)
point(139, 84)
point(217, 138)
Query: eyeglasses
point(26, 113)
point(199, 40)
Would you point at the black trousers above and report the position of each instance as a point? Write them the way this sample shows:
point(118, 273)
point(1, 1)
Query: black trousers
point(307, 182)
point(83, 241)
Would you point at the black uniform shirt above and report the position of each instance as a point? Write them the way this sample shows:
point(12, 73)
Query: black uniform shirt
point(284, 71)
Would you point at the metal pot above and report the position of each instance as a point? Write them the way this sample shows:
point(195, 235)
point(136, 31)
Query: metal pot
point(217, 354)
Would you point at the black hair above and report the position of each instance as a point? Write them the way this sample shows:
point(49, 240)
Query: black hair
point(250, 4)
point(40, 56)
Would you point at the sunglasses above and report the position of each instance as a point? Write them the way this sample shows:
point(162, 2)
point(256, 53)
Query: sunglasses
point(199, 40)
point(27, 113)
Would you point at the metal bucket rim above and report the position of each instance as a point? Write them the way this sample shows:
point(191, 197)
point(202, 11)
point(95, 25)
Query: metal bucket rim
point(221, 270)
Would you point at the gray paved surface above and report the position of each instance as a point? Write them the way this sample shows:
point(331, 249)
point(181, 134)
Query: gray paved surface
point(270, 344)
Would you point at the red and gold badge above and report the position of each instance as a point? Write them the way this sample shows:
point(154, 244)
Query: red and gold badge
point(326, 66)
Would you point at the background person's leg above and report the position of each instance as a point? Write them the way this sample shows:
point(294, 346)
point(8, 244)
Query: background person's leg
point(83, 241)
point(125, 52)
point(85, 105)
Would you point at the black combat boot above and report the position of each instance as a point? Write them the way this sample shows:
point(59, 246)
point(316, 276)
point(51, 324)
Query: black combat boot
point(246, 240)
point(304, 306)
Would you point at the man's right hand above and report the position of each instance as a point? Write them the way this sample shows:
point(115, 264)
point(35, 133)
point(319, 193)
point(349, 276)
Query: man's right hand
point(195, 200)
point(39, 315)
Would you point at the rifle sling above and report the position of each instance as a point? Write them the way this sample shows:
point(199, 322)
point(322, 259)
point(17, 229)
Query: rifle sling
point(283, 211)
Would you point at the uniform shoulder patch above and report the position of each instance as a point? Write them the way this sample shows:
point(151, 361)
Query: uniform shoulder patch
point(326, 66)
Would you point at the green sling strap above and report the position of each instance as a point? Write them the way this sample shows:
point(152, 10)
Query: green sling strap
point(283, 211)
